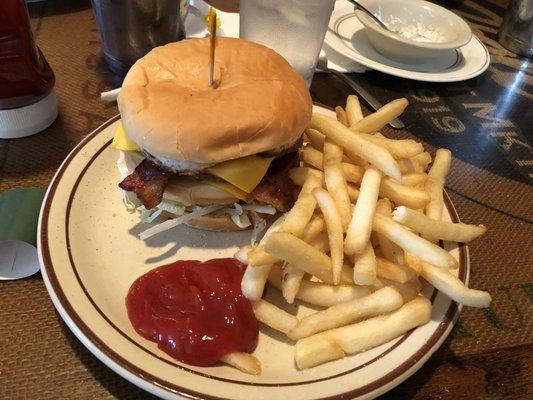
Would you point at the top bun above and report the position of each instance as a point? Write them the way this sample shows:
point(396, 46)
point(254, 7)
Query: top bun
point(167, 108)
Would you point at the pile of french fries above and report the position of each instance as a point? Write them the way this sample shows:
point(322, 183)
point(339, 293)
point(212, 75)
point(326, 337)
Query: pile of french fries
point(363, 231)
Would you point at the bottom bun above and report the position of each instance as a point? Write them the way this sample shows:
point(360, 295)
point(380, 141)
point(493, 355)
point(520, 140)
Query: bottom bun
point(210, 222)
point(215, 223)
point(221, 222)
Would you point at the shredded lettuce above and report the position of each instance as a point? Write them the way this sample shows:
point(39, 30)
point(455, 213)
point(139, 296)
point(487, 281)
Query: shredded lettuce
point(130, 201)
point(171, 223)
point(259, 226)
point(147, 216)
point(127, 161)
point(241, 214)
point(259, 208)
point(238, 216)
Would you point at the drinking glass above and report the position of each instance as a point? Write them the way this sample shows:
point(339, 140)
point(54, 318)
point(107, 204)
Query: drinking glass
point(293, 28)
point(131, 28)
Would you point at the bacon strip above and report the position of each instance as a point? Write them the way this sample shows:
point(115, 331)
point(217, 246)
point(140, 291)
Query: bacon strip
point(148, 182)
point(276, 188)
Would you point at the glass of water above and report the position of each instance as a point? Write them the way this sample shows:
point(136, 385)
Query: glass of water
point(293, 28)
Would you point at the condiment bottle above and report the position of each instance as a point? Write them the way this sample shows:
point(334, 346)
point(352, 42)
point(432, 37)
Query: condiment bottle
point(27, 102)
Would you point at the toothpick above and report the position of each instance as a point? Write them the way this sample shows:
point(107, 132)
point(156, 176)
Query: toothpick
point(212, 21)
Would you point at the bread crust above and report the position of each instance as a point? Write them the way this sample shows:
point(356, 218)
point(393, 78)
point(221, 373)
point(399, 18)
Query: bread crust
point(260, 102)
point(217, 223)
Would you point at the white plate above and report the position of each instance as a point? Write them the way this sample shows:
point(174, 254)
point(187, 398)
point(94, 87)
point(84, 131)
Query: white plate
point(90, 255)
point(346, 35)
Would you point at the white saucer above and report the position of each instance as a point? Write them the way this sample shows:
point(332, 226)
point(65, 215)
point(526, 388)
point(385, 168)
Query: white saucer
point(346, 35)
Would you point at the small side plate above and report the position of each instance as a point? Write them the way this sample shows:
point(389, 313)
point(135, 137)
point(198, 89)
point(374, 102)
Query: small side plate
point(347, 36)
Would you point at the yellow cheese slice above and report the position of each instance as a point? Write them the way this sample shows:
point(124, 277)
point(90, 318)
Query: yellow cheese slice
point(228, 187)
point(121, 141)
point(245, 173)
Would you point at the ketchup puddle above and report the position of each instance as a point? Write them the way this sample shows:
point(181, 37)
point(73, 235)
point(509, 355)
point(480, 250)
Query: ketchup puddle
point(194, 311)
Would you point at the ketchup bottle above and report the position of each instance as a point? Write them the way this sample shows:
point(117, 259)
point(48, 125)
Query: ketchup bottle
point(27, 103)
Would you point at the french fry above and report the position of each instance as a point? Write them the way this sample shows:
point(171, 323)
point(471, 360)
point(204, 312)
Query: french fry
point(377, 284)
point(299, 174)
point(394, 272)
point(402, 194)
point(360, 227)
point(352, 173)
point(274, 317)
point(260, 256)
point(320, 242)
point(355, 147)
point(364, 269)
point(294, 220)
point(300, 254)
point(402, 148)
point(292, 275)
point(452, 287)
point(335, 181)
point(324, 295)
point(408, 290)
point(253, 281)
point(290, 284)
point(455, 232)
point(422, 159)
point(413, 262)
point(391, 251)
point(352, 339)
point(301, 213)
point(353, 110)
point(244, 362)
point(341, 115)
point(334, 228)
point(242, 254)
point(255, 277)
point(407, 166)
point(321, 294)
point(376, 121)
point(353, 193)
point(413, 243)
point(435, 184)
point(377, 303)
point(347, 275)
point(356, 176)
point(414, 178)
point(313, 157)
point(316, 139)
point(314, 228)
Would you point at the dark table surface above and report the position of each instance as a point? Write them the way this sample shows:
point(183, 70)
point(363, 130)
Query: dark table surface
point(485, 121)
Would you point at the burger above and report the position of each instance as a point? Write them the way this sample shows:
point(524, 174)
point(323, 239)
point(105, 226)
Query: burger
point(213, 157)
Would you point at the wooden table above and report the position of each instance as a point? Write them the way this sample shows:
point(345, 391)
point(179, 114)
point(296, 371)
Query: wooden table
point(486, 122)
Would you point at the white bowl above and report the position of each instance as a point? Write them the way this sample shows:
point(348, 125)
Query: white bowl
point(428, 29)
